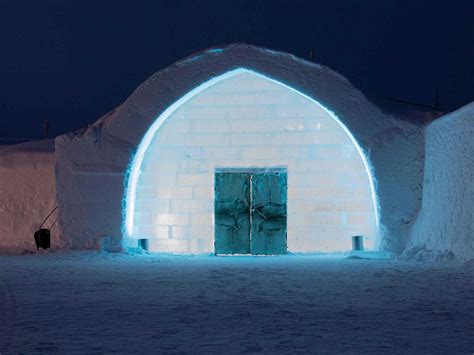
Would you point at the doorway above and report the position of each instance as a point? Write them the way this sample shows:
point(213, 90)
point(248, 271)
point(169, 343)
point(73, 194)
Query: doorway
point(250, 211)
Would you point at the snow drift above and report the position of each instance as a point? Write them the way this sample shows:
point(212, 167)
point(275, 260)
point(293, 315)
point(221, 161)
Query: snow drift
point(445, 224)
point(27, 193)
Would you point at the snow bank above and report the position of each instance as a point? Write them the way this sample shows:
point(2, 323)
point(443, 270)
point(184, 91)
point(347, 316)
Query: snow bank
point(446, 220)
point(27, 193)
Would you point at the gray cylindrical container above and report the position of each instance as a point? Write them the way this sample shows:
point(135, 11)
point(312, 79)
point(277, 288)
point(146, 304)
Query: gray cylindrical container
point(357, 243)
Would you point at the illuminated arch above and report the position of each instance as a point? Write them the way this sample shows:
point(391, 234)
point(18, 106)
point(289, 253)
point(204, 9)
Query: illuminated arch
point(136, 164)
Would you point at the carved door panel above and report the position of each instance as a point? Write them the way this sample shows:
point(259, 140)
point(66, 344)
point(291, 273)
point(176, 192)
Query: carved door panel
point(268, 234)
point(232, 213)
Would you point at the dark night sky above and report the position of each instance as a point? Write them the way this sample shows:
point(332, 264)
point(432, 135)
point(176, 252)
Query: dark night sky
point(72, 61)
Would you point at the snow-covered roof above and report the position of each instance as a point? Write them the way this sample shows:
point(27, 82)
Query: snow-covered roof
point(130, 121)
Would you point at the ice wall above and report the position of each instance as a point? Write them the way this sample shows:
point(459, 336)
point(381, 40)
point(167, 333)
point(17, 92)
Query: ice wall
point(446, 220)
point(27, 194)
point(249, 121)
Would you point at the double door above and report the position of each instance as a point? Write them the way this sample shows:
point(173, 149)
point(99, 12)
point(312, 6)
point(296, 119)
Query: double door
point(250, 211)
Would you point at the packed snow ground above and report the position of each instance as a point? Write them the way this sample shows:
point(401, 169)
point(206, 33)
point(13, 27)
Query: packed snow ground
point(95, 302)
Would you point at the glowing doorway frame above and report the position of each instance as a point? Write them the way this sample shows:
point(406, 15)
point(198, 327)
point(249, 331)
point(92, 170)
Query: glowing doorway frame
point(135, 167)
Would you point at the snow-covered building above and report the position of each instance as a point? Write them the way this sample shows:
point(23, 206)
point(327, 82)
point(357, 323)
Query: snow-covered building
point(244, 150)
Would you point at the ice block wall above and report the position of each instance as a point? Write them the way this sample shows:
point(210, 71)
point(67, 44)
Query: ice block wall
point(247, 120)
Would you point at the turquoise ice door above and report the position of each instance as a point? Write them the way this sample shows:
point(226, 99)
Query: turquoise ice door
point(250, 211)
point(268, 213)
point(232, 213)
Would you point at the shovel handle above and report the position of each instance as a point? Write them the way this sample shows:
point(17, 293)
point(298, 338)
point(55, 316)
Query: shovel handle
point(49, 215)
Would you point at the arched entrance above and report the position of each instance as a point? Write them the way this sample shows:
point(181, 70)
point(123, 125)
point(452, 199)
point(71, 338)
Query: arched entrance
point(244, 120)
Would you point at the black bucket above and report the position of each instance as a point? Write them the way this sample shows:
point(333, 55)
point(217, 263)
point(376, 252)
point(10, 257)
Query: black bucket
point(43, 238)
point(357, 243)
point(43, 235)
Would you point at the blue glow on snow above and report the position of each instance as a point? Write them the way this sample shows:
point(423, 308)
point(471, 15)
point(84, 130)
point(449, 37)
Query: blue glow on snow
point(135, 167)
point(215, 50)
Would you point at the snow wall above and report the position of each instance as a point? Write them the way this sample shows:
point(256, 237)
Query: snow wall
point(92, 163)
point(27, 194)
point(446, 221)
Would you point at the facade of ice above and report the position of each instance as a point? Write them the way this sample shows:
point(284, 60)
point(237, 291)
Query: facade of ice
point(243, 119)
point(145, 171)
